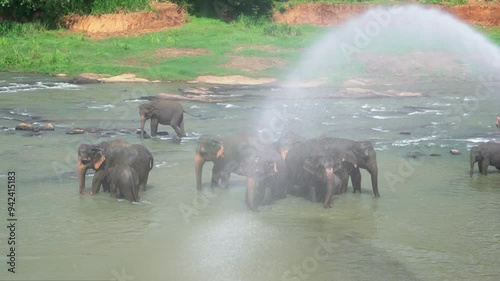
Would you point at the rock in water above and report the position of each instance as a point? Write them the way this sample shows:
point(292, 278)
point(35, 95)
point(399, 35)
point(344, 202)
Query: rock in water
point(24, 127)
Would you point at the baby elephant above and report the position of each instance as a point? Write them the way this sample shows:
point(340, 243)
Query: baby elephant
point(124, 182)
point(163, 112)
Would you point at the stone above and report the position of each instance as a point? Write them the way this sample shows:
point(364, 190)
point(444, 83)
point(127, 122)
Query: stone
point(24, 127)
point(47, 127)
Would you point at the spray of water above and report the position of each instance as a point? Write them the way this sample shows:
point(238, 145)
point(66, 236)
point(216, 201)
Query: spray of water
point(399, 40)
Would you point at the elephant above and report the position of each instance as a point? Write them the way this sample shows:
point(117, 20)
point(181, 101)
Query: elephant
point(165, 112)
point(228, 153)
point(266, 174)
point(498, 122)
point(486, 154)
point(107, 154)
point(365, 158)
point(123, 181)
point(311, 171)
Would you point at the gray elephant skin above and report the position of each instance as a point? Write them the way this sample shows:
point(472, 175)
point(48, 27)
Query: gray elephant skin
point(486, 154)
point(165, 112)
point(266, 177)
point(312, 169)
point(228, 153)
point(104, 155)
point(365, 158)
point(267, 172)
point(124, 182)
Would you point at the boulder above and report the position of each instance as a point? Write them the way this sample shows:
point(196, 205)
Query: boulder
point(24, 127)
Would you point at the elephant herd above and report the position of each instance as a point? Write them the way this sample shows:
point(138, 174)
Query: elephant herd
point(315, 168)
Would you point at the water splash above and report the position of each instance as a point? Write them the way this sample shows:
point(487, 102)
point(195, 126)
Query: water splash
point(400, 41)
point(34, 86)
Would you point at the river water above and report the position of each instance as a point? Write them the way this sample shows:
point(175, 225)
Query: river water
point(432, 221)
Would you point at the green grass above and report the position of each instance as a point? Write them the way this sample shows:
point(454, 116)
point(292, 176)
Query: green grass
point(59, 51)
point(34, 49)
point(492, 33)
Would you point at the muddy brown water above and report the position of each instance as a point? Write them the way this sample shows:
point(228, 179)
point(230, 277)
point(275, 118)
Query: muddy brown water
point(432, 222)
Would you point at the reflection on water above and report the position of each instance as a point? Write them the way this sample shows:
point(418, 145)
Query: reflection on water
point(433, 222)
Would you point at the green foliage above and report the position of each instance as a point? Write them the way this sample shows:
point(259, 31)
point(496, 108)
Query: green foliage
point(112, 6)
point(228, 10)
point(10, 28)
point(493, 33)
point(267, 27)
point(275, 29)
point(50, 11)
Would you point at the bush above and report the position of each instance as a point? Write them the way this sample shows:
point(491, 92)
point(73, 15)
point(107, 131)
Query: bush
point(50, 11)
point(228, 10)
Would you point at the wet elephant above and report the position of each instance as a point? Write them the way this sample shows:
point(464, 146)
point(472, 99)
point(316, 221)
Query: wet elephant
point(226, 152)
point(366, 158)
point(266, 174)
point(107, 154)
point(486, 154)
point(124, 182)
point(165, 112)
point(311, 171)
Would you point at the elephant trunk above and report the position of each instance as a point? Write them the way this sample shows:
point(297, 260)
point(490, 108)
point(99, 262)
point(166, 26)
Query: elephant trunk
point(250, 194)
point(82, 169)
point(374, 175)
point(330, 183)
point(143, 120)
point(198, 167)
point(472, 162)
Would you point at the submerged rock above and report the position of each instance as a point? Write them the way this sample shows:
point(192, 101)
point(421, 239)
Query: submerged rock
point(24, 127)
point(47, 127)
point(75, 131)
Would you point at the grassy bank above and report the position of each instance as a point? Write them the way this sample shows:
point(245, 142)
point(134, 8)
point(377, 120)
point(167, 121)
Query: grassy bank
point(59, 51)
point(52, 52)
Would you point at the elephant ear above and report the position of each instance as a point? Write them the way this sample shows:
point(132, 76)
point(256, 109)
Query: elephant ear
point(147, 109)
point(483, 152)
point(98, 158)
point(220, 150)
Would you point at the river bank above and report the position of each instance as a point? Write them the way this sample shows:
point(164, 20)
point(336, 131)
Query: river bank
point(215, 52)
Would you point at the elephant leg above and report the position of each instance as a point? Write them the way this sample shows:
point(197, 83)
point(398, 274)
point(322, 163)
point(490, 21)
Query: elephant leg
point(154, 127)
point(484, 165)
point(356, 180)
point(343, 181)
point(182, 128)
point(267, 194)
point(113, 190)
point(312, 193)
point(343, 185)
point(142, 184)
point(98, 179)
point(224, 178)
point(216, 173)
point(178, 125)
point(105, 186)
